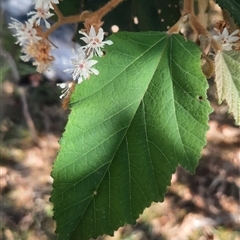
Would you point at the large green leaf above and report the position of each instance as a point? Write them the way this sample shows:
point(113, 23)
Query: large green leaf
point(128, 130)
point(233, 7)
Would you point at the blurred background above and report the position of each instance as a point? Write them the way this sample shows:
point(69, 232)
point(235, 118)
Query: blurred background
point(203, 206)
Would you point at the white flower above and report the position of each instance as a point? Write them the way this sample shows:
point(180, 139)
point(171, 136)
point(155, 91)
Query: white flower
point(45, 3)
point(227, 41)
point(41, 13)
point(66, 88)
point(94, 41)
point(82, 66)
point(25, 33)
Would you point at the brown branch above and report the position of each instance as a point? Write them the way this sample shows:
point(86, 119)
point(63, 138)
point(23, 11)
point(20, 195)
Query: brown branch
point(97, 15)
point(66, 20)
point(187, 7)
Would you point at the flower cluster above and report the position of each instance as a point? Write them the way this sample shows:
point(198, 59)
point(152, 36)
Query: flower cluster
point(30, 35)
point(36, 46)
point(227, 41)
point(82, 62)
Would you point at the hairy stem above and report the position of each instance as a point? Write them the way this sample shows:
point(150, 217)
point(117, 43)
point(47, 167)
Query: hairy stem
point(196, 25)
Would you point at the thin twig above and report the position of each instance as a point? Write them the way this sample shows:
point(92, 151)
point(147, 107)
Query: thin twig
point(57, 11)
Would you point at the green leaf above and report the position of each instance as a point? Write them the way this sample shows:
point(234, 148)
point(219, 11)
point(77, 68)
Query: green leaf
point(233, 7)
point(128, 130)
point(227, 68)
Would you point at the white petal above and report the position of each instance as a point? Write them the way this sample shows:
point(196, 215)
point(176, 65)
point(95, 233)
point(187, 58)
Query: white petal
point(90, 63)
point(235, 32)
point(83, 33)
point(95, 71)
point(47, 24)
point(225, 32)
point(100, 34)
point(92, 32)
point(233, 39)
point(85, 39)
point(108, 42)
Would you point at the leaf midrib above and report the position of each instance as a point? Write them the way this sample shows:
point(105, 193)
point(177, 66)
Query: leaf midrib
point(124, 135)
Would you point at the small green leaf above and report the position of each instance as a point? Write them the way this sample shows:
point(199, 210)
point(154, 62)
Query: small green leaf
point(227, 68)
point(233, 7)
point(128, 130)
